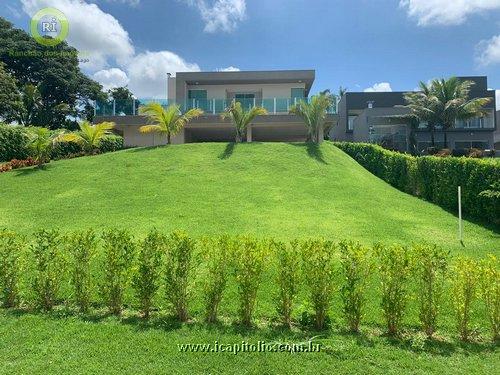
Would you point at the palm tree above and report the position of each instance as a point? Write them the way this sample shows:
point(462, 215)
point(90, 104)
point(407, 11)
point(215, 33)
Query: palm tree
point(314, 115)
point(167, 121)
point(240, 118)
point(443, 102)
point(41, 143)
point(453, 103)
point(89, 136)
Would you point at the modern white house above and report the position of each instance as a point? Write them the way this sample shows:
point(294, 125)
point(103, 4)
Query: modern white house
point(213, 92)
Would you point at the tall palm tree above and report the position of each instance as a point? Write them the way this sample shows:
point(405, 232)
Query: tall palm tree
point(167, 121)
point(89, 136)
point(241, 118)
point(313, 114)
point(453, 102)
point(443, 102)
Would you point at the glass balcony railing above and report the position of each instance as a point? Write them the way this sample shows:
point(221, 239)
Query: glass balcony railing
point(131, 107)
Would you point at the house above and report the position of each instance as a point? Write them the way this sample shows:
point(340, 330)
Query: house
point(497, 133)
point(377, 117)
point(213, 92)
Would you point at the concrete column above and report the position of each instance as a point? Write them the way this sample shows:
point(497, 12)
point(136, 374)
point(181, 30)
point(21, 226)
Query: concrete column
point(249, 133)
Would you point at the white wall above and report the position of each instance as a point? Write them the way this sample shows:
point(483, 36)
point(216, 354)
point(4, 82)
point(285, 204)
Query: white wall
point(281, 90)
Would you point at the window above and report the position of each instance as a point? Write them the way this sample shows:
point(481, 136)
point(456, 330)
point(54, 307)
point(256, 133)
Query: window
point(197, 94)
point(297, 94)
point(350, 122)
point(247, 100)
point(198, 99)
point(482, 145)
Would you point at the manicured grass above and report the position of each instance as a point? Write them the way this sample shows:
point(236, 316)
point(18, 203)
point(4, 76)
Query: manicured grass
point(280, 190)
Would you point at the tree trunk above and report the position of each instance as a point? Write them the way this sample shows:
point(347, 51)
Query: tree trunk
point(168, 138)
point(445, 138)
point(432, 137)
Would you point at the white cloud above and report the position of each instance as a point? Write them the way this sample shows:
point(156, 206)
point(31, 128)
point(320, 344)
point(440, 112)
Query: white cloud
point(446, 12)
point(223, 15)
point(147, 72)
point(488, 51)
point(379, 87)
point(229, 69)
point(92, 31)
point(110, 78)
point(498, 101)
point(132, 3)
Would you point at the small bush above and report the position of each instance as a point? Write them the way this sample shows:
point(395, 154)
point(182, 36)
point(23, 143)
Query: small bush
point(356, 269)
point(465, 277)
point(249, 263)
point(49, 267)
point(394, 269)
point(119, 248)
point(11, 248)
point(146, 278)
point(13, 143)
point(430, 268)
point(178, 272)
point(490, 293)
point(288, 279)
point(83, 247)
point(318, 266)
point(217, 255)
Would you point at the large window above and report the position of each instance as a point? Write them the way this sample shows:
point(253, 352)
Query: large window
point(198, 99)
point(482, 145)
point(298, 94)
point(350, 122)
point(247, 100)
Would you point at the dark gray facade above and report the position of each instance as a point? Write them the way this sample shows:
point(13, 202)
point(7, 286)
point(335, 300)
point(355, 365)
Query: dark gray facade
point(372, 116)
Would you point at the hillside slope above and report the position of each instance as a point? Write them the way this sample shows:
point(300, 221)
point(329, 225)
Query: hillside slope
point(268, 189)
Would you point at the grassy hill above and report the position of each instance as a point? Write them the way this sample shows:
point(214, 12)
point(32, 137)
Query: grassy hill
point(281, 190)
point(273, 189)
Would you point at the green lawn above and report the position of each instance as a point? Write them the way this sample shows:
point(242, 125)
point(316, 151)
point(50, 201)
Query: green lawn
point(281, 190)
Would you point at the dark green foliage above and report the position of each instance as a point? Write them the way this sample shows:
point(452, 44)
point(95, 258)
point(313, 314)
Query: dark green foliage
point(83, 247)
point(11, 247)
point(435, 179)
point(178, 275)
point(119, 248)
point(49, 267)
point(146, 280)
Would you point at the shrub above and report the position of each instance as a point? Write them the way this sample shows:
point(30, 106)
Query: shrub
point(217, 255)
point(111, 143)
point(433, 178)
point(10, 251)
point(119, 248)
point(430, 268)
point(490, 199)
point(146, 277)
point(394, 269)
point(178, 272)
point(49, 267)
point(465, 276)
point(82, 246)
point(490, 293)
point(288, 279)
point(13, 143)
point(356, 269)
point(318, 267)
point(16, 164)
point(249, 263)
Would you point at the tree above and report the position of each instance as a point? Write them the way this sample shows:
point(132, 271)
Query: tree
point(65, 91)
point(10, 98)
point(89, 136)
point(41, 143)
point(167, 121)
point(240, 118)
point(124, 100)
point(314, 115)
point(443, 102)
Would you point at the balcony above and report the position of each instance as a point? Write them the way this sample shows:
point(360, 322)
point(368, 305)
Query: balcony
point(277, 106)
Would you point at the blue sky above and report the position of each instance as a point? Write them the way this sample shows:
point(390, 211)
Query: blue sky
point(357, 44)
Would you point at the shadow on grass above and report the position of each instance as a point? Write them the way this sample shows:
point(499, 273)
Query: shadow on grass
point(313, 151)
point(368, 337)
point(31, 170)
point(228, 151)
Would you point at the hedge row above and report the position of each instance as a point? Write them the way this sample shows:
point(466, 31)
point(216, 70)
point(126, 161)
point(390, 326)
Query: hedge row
point(436, 179)
point(86, 270)
point(14, 144)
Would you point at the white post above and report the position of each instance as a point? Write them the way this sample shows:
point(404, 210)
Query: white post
point(254, 102)
point(274, 105)
point(460, 228)
point(133, 107)
point(114, 107)
point(213, 105)
point(95, 107)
